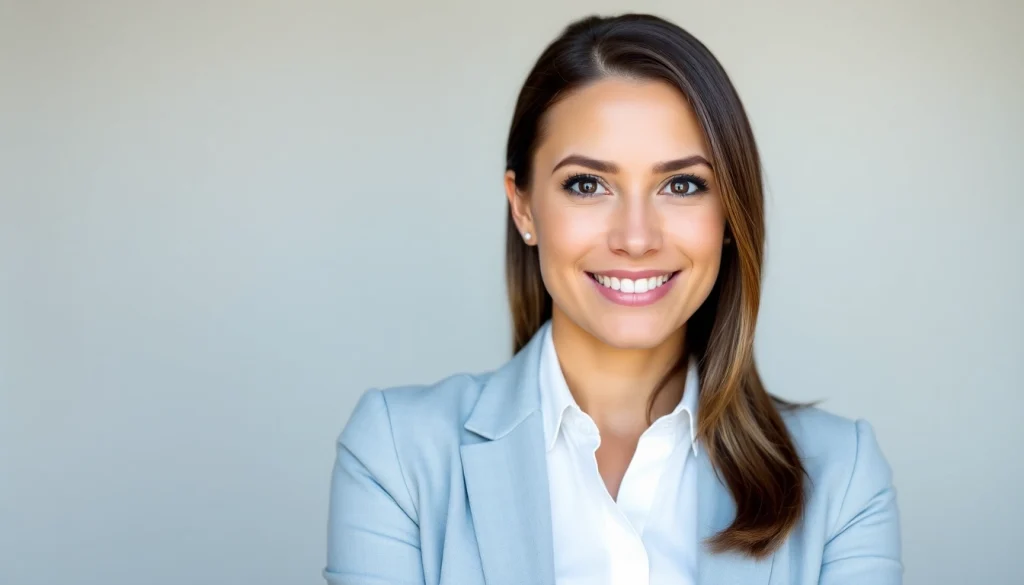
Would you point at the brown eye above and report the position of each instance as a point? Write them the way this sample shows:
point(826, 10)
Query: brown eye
point(685, 185)
point(584, 186)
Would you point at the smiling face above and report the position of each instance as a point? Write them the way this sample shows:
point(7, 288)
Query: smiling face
point(623, 206)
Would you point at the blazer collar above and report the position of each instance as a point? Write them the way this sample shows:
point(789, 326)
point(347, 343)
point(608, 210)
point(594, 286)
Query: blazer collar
point(511, 393)
point(506, 475)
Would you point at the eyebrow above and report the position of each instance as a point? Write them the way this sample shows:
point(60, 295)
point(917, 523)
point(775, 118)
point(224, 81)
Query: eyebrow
point(610, 167)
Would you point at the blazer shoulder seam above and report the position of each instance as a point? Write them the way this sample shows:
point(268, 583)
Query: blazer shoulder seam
point(849, 481)
point(398, 459)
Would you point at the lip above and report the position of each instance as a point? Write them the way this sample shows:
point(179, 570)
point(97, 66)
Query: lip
point(634, 299)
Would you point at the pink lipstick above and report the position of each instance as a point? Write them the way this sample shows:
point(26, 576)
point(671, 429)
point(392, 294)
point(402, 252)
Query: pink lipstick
point(634, 288)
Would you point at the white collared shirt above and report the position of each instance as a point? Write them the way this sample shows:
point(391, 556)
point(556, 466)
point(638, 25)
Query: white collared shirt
point(648, 536)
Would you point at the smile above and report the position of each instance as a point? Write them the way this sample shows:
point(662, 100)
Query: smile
point(633, 288)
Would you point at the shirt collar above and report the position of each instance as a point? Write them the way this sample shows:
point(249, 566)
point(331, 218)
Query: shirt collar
point(556, 399)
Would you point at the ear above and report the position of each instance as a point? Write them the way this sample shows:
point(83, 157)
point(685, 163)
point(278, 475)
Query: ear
point(519, 203)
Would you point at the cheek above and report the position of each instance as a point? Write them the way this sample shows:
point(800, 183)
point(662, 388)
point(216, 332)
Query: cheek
point(698, 234)
point(566, 234)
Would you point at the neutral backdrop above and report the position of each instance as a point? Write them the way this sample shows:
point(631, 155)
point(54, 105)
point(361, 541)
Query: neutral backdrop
point(220, 222)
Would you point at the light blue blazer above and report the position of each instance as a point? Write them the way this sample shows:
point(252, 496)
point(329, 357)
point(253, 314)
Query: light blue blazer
point(447, 484)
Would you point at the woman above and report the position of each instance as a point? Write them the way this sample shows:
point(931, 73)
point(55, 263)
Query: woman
point(630, 439)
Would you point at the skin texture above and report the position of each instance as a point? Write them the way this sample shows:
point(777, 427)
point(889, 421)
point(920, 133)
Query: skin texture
point(625, 215)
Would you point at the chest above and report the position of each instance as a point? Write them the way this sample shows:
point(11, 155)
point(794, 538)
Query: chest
point(494, 521)
point(621, 512)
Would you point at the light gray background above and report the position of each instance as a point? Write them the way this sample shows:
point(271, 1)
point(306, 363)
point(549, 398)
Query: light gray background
point(220, 222)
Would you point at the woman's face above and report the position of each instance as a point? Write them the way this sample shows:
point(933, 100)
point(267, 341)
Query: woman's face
point(625, 211)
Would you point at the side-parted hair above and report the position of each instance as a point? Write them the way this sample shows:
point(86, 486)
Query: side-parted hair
point(739, 424)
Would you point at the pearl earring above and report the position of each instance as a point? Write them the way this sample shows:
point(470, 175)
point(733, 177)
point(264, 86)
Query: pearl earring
point(527, 236)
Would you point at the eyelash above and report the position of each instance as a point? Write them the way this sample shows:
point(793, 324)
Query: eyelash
point(567, 184)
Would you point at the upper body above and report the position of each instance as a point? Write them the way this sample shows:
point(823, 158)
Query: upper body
point(448, 484)
point(630, 439)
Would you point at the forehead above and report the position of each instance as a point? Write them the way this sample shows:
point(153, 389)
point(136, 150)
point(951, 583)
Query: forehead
point(622, 120)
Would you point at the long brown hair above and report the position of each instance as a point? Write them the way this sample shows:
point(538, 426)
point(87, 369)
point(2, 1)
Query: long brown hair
point(739, 422)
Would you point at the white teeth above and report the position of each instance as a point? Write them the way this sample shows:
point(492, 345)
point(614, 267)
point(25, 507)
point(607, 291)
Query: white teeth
point(628, 285)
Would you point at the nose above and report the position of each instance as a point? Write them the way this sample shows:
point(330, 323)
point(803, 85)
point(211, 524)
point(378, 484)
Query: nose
point(636, 227)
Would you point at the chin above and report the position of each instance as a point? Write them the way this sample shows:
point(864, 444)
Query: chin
point(633, 331)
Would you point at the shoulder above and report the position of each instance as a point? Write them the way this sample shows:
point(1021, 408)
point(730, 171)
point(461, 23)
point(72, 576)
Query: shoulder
point(430, 409)
point(830, 444)
point(422, 426)
point(843, 460)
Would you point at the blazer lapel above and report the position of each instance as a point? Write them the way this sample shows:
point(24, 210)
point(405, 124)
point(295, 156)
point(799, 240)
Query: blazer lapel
point(716, 510)
point(506, 476)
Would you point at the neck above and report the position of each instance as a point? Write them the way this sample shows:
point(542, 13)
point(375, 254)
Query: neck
point(614, 385)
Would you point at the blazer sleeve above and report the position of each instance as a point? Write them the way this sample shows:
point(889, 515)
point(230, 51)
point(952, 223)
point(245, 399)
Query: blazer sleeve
point(373, 534)
point(865, 547)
